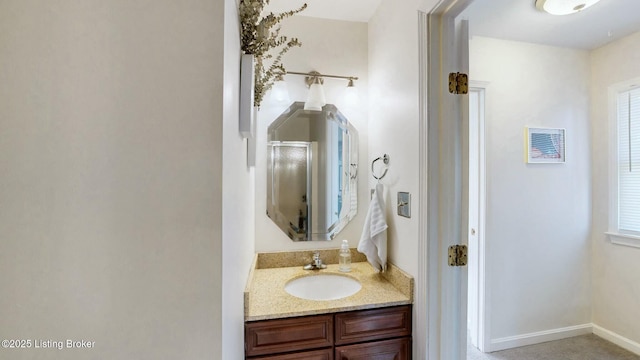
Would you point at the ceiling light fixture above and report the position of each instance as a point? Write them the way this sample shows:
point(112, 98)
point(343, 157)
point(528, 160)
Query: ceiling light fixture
point(563, 7)
point(316, 99)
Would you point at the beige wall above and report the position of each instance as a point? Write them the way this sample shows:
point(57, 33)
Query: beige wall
point(537, 215)
point(111, 150)
point(616, 269)
point(394, 128)
point(331, 47)
point(394, 121)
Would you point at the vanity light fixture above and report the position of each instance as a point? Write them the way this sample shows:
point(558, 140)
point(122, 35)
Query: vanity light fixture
point(314, 80)
point(563, 7)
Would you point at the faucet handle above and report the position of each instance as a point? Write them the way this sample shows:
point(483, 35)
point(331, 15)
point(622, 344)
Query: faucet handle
point(316, 263)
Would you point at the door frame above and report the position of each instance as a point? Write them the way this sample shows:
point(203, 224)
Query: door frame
point(482, 305)
point(434, 287)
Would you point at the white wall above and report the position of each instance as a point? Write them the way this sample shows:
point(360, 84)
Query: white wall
point(616, 269)
point(537, 215)
point(394, 128)
point(394, 121)
point(238, 197)
point(330, 47)
point(111, 150)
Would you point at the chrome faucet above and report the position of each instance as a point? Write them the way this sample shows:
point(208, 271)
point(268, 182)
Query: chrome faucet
point(316, 264)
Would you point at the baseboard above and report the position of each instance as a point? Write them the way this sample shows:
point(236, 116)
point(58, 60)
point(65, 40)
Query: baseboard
point(539, 337)
point(619, 340)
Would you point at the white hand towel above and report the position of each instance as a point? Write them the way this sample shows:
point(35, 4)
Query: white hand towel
point(373, 242)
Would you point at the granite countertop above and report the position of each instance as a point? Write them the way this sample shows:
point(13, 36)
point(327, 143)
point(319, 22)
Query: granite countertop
point(265, 297)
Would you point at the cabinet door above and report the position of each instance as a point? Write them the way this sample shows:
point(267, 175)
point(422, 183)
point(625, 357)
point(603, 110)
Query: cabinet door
point(325, 354)
point(375, 324)
point(288, 335)
point(397, 349)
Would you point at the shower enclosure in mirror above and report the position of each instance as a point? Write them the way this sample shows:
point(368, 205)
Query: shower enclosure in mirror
point(312, 172)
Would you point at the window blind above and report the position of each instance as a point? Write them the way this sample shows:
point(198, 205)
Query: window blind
point(629, 161)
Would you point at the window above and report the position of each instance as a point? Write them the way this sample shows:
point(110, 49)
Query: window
point(625, 224)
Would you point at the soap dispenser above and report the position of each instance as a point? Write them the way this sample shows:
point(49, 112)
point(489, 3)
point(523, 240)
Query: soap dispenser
point(345, 257)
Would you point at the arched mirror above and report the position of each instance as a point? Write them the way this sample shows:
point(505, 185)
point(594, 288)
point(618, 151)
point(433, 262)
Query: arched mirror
point(312, 172)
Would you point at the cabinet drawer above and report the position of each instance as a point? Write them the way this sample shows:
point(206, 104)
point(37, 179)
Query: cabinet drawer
point(396, 349)
point(325, 354)
point(287, 335)
point(367, 325)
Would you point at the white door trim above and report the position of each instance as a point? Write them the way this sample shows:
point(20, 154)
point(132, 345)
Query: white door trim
point(482, 321)
point(436, 195)
point(421, 329)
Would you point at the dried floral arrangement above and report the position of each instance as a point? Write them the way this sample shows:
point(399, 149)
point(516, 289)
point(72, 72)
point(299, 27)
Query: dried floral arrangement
point(259, 36)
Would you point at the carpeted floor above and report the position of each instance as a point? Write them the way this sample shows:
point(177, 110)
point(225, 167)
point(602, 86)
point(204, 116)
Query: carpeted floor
point(586, 347)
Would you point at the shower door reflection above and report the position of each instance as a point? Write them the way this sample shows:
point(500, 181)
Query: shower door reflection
point(289, 179)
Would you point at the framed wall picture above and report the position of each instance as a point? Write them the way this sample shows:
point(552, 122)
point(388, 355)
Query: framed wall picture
point(544, 145)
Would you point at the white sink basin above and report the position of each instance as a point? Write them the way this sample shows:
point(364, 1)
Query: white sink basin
point(323, 287)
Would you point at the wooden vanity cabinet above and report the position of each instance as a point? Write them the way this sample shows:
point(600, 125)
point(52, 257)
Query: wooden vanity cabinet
point(271, 337)
point(324, 354)
point(381, 334)
point(396, 349)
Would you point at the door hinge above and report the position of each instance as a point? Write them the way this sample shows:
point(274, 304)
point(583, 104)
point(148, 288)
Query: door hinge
point(458, 255)
point(458, 83)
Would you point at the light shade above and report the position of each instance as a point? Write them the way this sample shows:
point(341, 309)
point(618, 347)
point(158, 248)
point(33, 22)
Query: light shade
point(563, 7)
point(280, 93)
point(316, 99)
point(351, 94)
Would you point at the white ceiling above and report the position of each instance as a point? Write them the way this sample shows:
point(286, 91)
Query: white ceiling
point(348, 10)
point(517, 20)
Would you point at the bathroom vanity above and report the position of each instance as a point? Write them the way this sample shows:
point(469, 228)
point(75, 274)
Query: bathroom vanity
point(375, 322)
point(383, 332)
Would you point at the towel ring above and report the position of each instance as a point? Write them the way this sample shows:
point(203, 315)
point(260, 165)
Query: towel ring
point(385, 160)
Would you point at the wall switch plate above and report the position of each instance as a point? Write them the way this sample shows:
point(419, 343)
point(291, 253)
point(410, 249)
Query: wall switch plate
point(404, 204)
